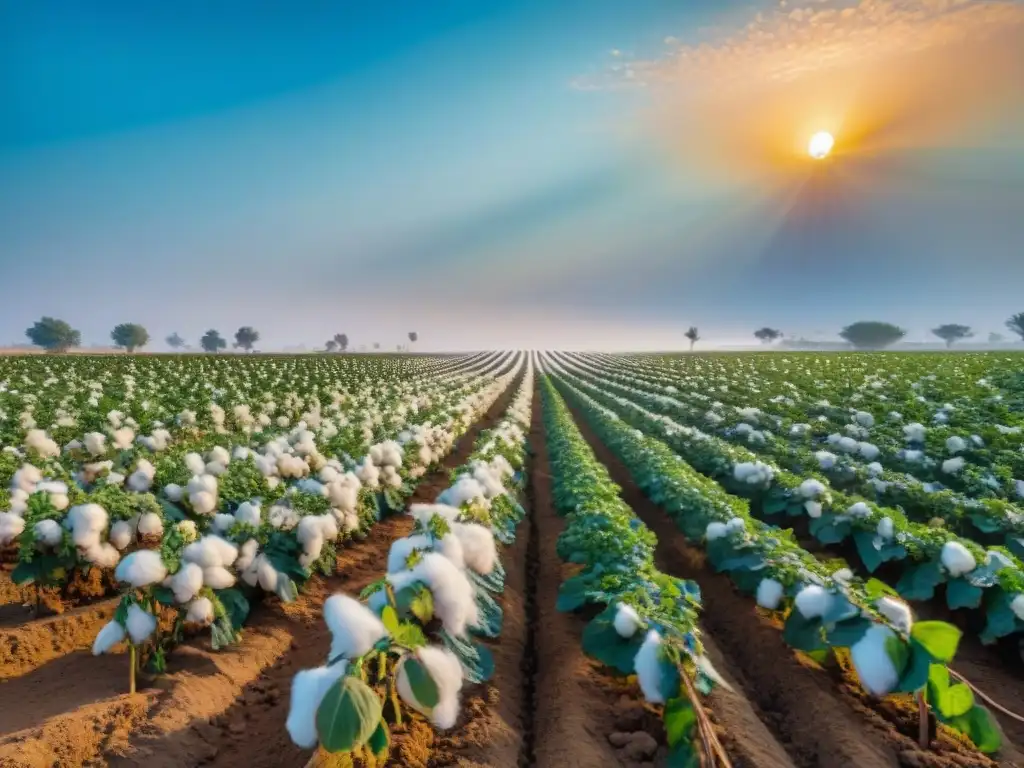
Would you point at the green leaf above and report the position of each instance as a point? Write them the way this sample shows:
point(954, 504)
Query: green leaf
point(163, 595)
point(845, 634)
point(680, 719)
point(915, 675)
point(424, 689)
point(981, 727)
point(572, 594)
point(389, 618)
point(602, 642)
point(876, 588)
point(898, 652)
point(960, 593)
point(938, 638)
point(380, 740)
point(235, 605)
point(803, 634)
point(683, 755)
point(919, 582)
point(955, 701)
point(873, 557)
point(348, 715)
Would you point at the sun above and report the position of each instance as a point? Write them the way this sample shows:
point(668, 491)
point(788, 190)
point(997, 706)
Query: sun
point(820, 145)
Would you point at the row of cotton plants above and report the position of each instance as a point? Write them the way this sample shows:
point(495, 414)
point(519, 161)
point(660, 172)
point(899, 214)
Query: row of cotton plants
point(990, 580)
point(411, 639)
point(846, 462)
point(209, 576)
point(822, 609)
point(944, 432)
point(648, 622)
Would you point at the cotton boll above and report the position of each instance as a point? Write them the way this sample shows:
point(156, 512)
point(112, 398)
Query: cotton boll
point(246, 555)
point(956, 445)
point(187, 582)
point(355, 629)
point(716, 530)
point(454, 599)
point(141, 568)
point(813, 601)
point(217, 577)
point(210, 551)
point(445, 670)
point(173, 492)
point(422, 513)
point(627, 620)
point(48, 533)
point(38, 441)
point(95, 443)
point(885, 528)
point(869, 451)
point(267, 575)
point(811, 488)
point(11, 526)
point(648, 668)
point(479, 550)
point(954, 465)
point(859, 509)
point(202, 482)
point(308, 689)
point(86, 521)
point(248, 513)
point(121, 534)
point(464, 490)
point(769, 594)
point(870, 658)
point(1017, 606)
point(813, 509)
point(200, 611)
point(140, 624)
point(102, 555)
point(203, 503)
point(401, 549)
point(736, 525)
point(222, 522)
point(875, 469)
point(825, 459)
point(957, 559)
point(195, 464)
point(123, 438)
point(111, 634)
point(896, 611)
point(150, 524)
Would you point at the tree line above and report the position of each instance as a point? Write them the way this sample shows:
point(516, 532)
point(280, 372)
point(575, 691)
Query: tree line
point(56, 335)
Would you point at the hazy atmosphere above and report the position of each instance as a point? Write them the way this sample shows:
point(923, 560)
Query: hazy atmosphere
point(510, 173)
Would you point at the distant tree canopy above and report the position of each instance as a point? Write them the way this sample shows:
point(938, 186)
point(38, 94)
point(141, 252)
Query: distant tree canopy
point(995, 338)
point(130, 336)
point(413, 336)
point(342, 341)
point(174, 341)
point(245, 337)
point(212, 341)
point(952, 332)
point(872, 334)
point(331, 345)
point(693, 335)
point(767, 335)
point(1016, 324)
point(53, 335)
point(376, 345)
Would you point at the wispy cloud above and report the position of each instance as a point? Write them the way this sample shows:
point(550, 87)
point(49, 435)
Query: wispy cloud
point(879, 74)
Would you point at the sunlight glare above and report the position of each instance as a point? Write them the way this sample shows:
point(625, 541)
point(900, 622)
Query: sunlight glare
point(820, 145)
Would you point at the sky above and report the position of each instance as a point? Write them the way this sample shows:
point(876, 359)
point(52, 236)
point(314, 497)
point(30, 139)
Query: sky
point(510, 173)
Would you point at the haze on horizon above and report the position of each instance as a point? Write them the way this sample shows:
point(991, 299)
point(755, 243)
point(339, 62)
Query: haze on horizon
point(511, 173)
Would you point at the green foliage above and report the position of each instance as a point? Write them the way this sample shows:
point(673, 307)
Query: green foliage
point(212, 341)
point(1016, 324)
point(53, 335)
point(872, 334)
point(952, 332)
point(348, 715)
point(130, 336)
point(246, 337)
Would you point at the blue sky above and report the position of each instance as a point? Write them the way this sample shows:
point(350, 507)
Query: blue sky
point(316, 167)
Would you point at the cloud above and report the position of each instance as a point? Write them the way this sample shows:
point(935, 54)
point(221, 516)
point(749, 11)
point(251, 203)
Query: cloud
point(881, 75)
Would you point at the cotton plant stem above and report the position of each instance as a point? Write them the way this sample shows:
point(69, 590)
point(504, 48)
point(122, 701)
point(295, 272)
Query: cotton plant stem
point(714, 754)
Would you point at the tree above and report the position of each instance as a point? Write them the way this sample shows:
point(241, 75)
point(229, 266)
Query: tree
point(376, 345)
point(693, 335)
point(1016, 324)
point(53, 335)
point(342, 341)
point(995, 338)
point(174, 341)
point(212, 341)
point(245, 337)
point(332, 345)
point(767, 335)
point(413, 336)
point(131, 336)
point(871, 334)
point(951, 332)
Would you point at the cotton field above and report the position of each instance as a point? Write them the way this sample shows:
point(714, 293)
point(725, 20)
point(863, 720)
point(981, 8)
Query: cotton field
point(512, 559)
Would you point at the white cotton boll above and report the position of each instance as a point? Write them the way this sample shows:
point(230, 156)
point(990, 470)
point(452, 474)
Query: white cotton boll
point(896, 611)
point(48, 533)
point(217, 577)
point(121, 534)
point(200, 611)
point(848, 445)
point(141, 568)
point(173, 492)
point(869, 451)
point(11, 526)
point(248, 513)
point(312, 550)
point(859, 509)
point(813, 509)
point(86, 521)
point(735, 525)
point(864, 418)
point(37, 440)
point(203, 502)
point(445, 670)
point(194, 463)
point(957, 559)
point(454, 600)
point(885, 528)
point(811, 488)
point(422, 513)
point(716, 530)
point(627, 620)
point(123, 438)
point(220, 455)
point(875, 469)
point(308, 689)
point(216, 468)
point(202, 482)
point(956, 445)
point(355, 629)
point(114, 478)
point(648, 668)
point(328, 475)
point(870, 658)
point(914, 433)
point(222, 522)
point(769, 594)
point(95, 443)
point(110, 635)
point(954, 465)
point(150, 524)
point(101, 554)
point(344, 497)
point(1019, 484)
point(246, 554)
point(140, 624)
point(825, 459)
point(479, 550)
point(187, 582)
point(210, 551)
point(1017, 606)
point(813, 601)
point(449, 546)
point(465, 489)
point(266, 574)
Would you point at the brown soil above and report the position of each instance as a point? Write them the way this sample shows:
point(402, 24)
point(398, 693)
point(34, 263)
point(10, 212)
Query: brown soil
point(817, 719)
point(226, 708)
